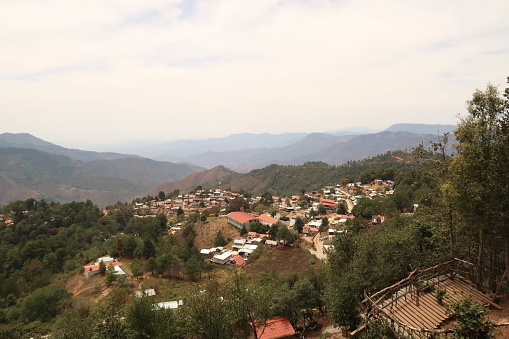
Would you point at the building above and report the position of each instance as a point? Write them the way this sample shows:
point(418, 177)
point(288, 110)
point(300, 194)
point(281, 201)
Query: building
point(276, 327)
point(241, 219)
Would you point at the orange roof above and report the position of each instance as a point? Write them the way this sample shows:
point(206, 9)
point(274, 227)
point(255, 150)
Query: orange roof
point(267, 218)
point(276, 327)
point(239, 261)
point(241, 217)
point(96, 267)
point(328, 201)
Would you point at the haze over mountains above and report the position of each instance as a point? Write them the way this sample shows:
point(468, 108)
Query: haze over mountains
point(31, 167)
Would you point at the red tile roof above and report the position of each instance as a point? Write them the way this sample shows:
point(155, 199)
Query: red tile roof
point(96, 267)
point(328, 201)
point(241, 217)
point(239, 261)
point(267, 218)
point(276, 327)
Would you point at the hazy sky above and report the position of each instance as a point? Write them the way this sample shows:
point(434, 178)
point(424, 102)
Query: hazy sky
point(103, 71)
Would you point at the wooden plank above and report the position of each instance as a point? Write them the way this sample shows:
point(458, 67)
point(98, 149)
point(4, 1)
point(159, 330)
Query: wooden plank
point(431, 313)
point(406, 314)
point(436, 310)
point(414, 316)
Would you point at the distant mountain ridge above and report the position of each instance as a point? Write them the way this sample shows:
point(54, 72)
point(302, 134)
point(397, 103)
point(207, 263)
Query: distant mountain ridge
point(26, 140)
point(32, 167)
point(422, 128)
point(42, 170)
point(30, 173)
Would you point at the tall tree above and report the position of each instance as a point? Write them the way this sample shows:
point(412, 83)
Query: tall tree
point(478, 181)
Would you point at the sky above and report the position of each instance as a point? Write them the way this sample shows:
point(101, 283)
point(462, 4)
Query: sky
point(98, 72)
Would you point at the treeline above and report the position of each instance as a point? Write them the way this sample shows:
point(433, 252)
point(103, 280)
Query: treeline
point(43, 243)
point(233, 308)
point(462, 213)
point(291, 179)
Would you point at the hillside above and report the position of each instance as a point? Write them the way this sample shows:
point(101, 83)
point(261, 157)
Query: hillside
point(422, 128)
point(331, 149)
point(141, 171)
point(286, 179)
point(369, 145)
point(28, 173)
point(290, 179)
point(208, 179)
point(25, 140)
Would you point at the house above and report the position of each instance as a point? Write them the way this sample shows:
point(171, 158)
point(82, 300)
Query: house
point(238, 243)
point(237, 260)
point(91, 270)
point(276, 327)
point(271, 242)
point(222, 258)
point(265, 219)
point(170, 304)
point(106, 260)
point(240, 219)
point(309, 230)
point(377, 219)
point(147, 293)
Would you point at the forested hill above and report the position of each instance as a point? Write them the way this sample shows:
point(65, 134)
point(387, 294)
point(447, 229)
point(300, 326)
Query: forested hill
point(211, 178)
point(288, 180)
point(29, 173)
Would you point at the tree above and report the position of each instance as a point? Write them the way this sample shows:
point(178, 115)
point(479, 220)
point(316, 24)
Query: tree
point(250, 303)
point(219, 240)
point(342, 209)
point(136, 268)
point(110, 276)
point(210, 314)
point(43, 303)
point(299, 223)
point(151, 265)
point(161, 195)
point(324, 225)
point(180, 213)
point(102, 268)
point(478, 186)
point(284, 234)
point(149, 249)
point(237, 204)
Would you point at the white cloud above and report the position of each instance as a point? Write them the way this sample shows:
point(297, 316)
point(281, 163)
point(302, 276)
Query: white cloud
point(173, 69)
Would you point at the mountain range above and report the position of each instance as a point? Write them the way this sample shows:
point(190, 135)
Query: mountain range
point(32, 167)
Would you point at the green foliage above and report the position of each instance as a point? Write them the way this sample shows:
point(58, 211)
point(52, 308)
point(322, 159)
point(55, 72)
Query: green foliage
point(237, 204)
point(299, 223)
point(471, 319)
point(376, 329)
point(369, 261)
point(219, 240)
point(102, 268)
point(42, 304)
point(287, 180)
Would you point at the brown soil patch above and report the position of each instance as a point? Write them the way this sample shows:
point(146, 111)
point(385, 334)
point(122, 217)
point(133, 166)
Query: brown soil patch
point(501, 317)
point(207, 231)
point(79, 285)
point(285, 260)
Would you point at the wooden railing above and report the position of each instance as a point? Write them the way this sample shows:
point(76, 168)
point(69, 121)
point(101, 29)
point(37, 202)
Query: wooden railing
point(379, 305)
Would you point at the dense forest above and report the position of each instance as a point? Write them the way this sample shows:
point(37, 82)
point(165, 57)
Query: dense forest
point(462, 212)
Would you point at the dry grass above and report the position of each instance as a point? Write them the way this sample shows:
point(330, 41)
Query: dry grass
point(206, 231)
point(285, 260)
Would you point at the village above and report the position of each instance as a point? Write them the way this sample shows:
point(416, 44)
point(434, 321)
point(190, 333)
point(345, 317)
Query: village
point(311, 220)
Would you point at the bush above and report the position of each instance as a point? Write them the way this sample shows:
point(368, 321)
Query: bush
point(471, 319)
